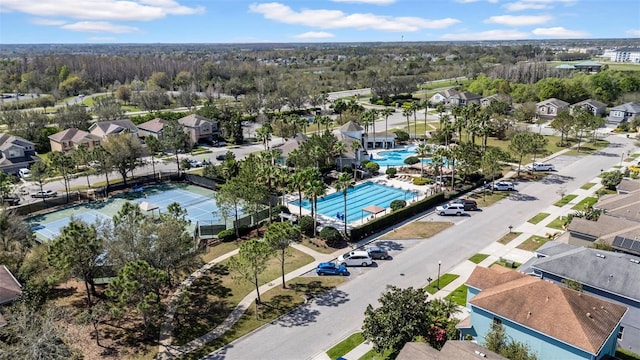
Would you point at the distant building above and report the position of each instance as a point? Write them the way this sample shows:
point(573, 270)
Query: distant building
point(588, 66)
point(152, 127)
point(626, 54)
point(595, 107)
point(200, 129)
point(72, 139)
point(464, 98)
point(16, 153)
point(102, 129)
point(550, 108)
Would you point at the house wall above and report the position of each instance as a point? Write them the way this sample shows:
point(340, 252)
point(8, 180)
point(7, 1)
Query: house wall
point(543, 346)
point(56, 146)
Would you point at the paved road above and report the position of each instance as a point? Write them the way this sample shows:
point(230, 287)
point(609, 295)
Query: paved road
point(318, 325)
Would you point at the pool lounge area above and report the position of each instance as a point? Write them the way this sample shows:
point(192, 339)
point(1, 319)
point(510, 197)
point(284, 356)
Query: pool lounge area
point(359, 197)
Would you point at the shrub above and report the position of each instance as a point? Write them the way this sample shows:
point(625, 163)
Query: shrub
point(397, 205)
point(391, 172)
point(364, 162)
point(373, 167)
point(243, 230)
point(401, 135)
point(420, 181)
point(306, 225)
point(411, 160)
point(347, 169)
point(227, 235)
point(331, 236)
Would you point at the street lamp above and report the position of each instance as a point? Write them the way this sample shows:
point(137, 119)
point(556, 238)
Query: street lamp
point(439, 264)
point(510, 228)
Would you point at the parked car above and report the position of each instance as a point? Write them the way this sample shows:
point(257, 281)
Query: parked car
point(44, 194)
point(195, 163)
point(355, 258)
point(536, 166)
point(376, 252)
point(24, 173)
point(450, 209)
point(504, 186)
point(221, 157)
point(329, 268)
point(11, 200)
point(469, 205)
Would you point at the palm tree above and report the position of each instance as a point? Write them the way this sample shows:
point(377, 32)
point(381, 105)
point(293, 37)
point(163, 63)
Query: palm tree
point(386, 112)
point(406, 112)
point(344, 183)
point(414, 109)
point(457, 111)
point(445, 128)
point(263, 134)
point(297, 182)
point(374, 117)
point(267, 174)
point(440, 109)
point(425, 105)
point(314, 189)
point(355, 145)
point(422, 150)
point(339, 148)
point(365, 120)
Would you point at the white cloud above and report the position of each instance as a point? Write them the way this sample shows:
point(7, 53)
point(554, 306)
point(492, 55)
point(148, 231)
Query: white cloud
point(472, 1)
point(99, 26)
point(536, 4)
point(488, 35)
point(101, 38)
point(633, 32)
point(47, 22)
point(374, 2)
point(512, 20)
point(336, 19)
point(102, 10)
point(314, 35)
point(559, 32)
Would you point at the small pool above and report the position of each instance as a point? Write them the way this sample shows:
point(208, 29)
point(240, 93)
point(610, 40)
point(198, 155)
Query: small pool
point(359, 197)
point(395, 157)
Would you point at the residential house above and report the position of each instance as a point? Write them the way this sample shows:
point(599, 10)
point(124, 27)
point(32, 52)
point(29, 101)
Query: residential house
point(624, 112)
point(72, 139)
point(10, 289)
point(102, 129)
point(16, 153)
point(464, 98)
point(595, 107)
point(627, 186)
point(588, 66)
point(452, 349)
point(550, 108)
point(200, 128)
point(486, 101)
point(610, 276)
point(290, 145)
point(554, 321)
point(152, 127)
point(443, 97)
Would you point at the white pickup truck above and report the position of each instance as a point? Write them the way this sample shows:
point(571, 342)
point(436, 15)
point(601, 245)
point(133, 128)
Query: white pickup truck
point(536, 166)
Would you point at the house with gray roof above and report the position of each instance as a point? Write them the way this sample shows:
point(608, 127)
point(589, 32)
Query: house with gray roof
point(452, 349)
point(102, 129)
point(16, 153)
point(606, 275)
point(10, 289)
point(72, 139)
point(152, 127)
point(464, 98)
point(487, 100)
point(550, 108)
point(624, 112)
point(627, 186)
point(595, 107)
point(588, 66)
point(200, 129)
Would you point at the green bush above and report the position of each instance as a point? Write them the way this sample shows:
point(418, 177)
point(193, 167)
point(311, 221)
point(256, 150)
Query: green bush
point(347, 169)
point(364, 162)
point(411, 160)
point(391, 172)
point(331, 236)
point(306, 225)
point(243, 230)
point(373, 167)
point(401, 135)
point(420, 181)
point(397, 205)
point(227, 235)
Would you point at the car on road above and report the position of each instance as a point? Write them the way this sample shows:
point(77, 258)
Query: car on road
point(24, 173)
point(329, 268)
point(450, 209)
point(355, 258)
point(504, 186)
point(376, 252)
point(469, 205)
point(44, 194)
point(221, 157)
point(11, 200)
point(195, 163)
point(536, 166)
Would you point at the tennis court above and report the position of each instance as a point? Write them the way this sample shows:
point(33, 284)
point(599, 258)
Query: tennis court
point(197, 201)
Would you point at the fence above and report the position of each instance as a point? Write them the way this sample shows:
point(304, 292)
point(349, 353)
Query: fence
point(201, 181)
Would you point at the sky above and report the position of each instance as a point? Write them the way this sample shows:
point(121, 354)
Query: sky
point(295, 21)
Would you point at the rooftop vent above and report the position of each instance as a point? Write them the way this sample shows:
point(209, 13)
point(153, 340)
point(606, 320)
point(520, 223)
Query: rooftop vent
point(589, 316)
point(601, 255)
point(481, 354)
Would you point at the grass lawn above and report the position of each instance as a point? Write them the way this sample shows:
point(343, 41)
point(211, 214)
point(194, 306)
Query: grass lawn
point(373, 355)
point(324, 249)
point(459, 295)
point(557, 223)
point(508, 237)
point(585, 203)
point(214, 295)
point(588, 147)
point(532, 243)
point(477, 258)
point(587, 186)
point(346, 345)
point(549, 149)
point(488, 198)
point(624, 354)
point(445, 279)
point(506, 263)
point(565, 200)
point(417, 230)
point(276, 302)
point(218, 250)
point(539, 217)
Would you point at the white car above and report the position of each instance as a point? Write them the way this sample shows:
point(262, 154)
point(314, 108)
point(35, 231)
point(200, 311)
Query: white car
point(195, 163)
point(44, 194)
point(24, 173)
point(504, 186)
point(355, 258)
point(451, 209)
point(536, 166)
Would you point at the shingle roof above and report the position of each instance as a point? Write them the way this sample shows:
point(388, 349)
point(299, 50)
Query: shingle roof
point(483, 278)
point(73, 135)
point(292, 144)
point(113, 127)
point(630, 107)
point(587, 63)
point(555, 102)
point(628, 185)
point(605, 225)
point(466, 95)
point(626, 206)
point(193, 120)
point(351, 126)
point(153, 125)
point(452, 349)
point(581, 320)
point(7, 140)
point(10, 288)
point(592, 102)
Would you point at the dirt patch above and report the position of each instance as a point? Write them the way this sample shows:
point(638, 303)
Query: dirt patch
point(417, 230)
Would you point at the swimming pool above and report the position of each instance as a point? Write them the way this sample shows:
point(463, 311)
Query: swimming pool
point(395, 157)
point(360, 196)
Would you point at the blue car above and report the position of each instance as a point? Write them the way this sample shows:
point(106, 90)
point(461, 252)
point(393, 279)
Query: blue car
point(329, 268)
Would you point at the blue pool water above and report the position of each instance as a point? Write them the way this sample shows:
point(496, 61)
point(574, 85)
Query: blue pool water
point(360, 196)
point(396, 157)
